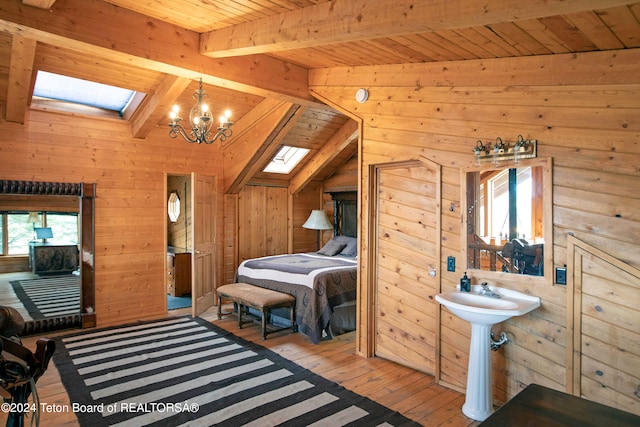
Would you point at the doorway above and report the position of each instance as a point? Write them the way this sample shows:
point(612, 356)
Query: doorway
point(190, 233)
point(179, 242)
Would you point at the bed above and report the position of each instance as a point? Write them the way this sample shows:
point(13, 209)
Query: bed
point(324, 287)
point(323, 282)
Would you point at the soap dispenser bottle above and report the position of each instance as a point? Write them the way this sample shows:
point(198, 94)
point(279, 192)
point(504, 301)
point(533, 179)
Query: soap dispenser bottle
point(465, 283)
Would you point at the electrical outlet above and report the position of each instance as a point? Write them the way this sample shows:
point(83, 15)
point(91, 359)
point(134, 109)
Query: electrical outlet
point(451, 263)
point(561, 275)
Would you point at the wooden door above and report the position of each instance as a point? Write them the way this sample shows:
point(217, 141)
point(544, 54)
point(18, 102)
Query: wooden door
point(203, 232)
point(407, 225)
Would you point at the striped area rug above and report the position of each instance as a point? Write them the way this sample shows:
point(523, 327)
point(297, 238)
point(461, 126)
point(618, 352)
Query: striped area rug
point(188, 372)
point(49, 297)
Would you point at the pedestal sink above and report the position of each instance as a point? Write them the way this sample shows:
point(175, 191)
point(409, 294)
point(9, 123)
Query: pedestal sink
point(483, 312)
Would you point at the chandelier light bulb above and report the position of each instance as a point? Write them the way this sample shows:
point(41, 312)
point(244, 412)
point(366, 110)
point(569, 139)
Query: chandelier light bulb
point(224, 120)
point(173, 114)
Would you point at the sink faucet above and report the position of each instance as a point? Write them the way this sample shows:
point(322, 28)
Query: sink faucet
point(487, 292)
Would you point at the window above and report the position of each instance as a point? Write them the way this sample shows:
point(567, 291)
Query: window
point(19, 232)
point(286, 159)
point(64, 226)
point(497, 210)
point(77, 91)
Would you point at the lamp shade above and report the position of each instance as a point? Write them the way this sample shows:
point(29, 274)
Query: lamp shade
point(318, 221)
point(33, 217)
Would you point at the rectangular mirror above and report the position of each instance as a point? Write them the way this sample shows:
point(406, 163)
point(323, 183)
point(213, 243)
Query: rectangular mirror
point(508, 216)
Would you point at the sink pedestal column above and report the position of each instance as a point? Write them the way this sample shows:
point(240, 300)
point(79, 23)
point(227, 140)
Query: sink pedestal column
point(479, 398)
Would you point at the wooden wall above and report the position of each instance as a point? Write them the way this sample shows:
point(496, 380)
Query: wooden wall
point(584, 111)
point(130, 206)
point(603, 313)
point(262, 221)
point(270, 221)
point(345, 178)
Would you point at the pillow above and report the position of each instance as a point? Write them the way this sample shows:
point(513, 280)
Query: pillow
point(351, 248)
point(332, 248)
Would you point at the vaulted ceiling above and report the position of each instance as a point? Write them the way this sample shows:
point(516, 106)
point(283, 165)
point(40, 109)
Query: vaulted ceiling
point(254, 56)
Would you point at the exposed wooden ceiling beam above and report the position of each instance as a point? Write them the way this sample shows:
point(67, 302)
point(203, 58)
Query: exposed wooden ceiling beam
point(23, 52)
point(327, 153)
point(152, 109)
point(106, 31)
point(343, 21)
point(42, 4)
point(256, 136)
point(607, 67)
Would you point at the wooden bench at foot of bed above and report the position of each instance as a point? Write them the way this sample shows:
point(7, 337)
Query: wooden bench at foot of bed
point(264, 300)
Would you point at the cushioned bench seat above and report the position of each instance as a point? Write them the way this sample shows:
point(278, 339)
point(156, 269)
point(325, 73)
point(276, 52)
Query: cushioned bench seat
point(264, 300)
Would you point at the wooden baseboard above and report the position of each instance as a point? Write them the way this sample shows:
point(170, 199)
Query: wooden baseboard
point(88, 320)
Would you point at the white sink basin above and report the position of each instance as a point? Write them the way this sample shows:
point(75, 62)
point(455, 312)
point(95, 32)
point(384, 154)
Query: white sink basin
point(485, 310)
point(482, 312)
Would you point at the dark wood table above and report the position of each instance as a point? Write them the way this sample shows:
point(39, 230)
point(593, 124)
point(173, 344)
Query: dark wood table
point(541, 406)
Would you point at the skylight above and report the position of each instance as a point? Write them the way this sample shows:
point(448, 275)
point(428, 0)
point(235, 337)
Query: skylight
point(286, 159)
point(77, 91)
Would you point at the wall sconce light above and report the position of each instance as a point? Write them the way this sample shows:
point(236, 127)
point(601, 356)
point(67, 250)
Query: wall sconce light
point(521, 149)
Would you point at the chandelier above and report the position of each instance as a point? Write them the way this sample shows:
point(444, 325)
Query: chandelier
point(200, 122)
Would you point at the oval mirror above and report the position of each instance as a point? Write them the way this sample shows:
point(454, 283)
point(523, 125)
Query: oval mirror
point(173, 206)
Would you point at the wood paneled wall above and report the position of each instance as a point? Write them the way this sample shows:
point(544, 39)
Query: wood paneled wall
point(262, 221)
point(345, 178)
point(269, 221)
point(603, 313)
point(130, 206)
point(583, 109)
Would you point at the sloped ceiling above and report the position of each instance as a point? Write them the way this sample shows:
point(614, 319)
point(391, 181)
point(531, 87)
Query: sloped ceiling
point(250, 54)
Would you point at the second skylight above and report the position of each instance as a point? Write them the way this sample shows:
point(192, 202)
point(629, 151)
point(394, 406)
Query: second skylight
point(286, 159)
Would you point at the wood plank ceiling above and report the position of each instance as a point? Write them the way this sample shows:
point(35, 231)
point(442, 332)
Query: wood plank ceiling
point(248, 51)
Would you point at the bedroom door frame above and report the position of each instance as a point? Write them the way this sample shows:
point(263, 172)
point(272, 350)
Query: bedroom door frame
point(370, 305)
point(201, 300)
